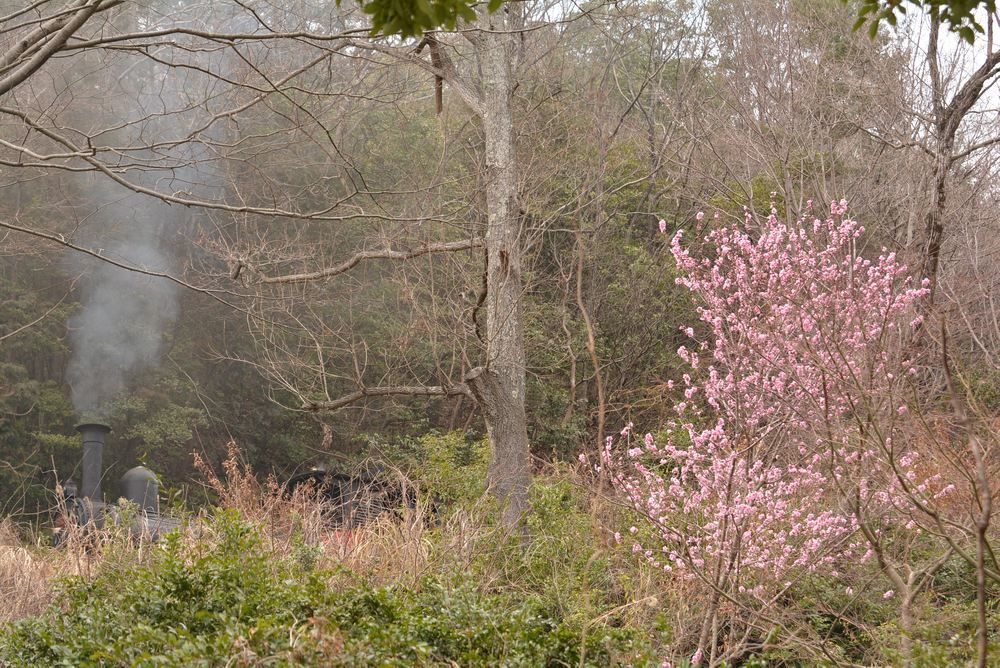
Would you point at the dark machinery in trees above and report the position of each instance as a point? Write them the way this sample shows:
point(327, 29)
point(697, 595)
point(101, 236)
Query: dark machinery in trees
point(353, 500)
point(348, 500)
point(86, 506)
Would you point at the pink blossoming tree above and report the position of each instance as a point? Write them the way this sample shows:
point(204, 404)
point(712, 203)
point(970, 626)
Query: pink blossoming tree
point(786, 457)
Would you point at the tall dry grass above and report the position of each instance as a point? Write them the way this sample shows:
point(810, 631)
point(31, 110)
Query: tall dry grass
point(394, 547)
point(24, 576)
point(30, 571)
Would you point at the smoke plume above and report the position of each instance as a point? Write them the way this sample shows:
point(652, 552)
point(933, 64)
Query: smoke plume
point(126, 317)
point(122, 326)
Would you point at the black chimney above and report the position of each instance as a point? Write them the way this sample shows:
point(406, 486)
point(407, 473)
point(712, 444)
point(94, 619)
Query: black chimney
point(93, 458)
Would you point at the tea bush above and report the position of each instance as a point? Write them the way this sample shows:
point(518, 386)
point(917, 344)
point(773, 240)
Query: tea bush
point(225, 600)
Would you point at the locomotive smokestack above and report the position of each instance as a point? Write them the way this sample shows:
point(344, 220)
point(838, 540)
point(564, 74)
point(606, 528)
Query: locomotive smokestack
point(93, 458)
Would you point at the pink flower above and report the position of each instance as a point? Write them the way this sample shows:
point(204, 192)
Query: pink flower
point(889, 594)
point(791, 316)
point(696, 658)
point(699, 216)
point(663, 226)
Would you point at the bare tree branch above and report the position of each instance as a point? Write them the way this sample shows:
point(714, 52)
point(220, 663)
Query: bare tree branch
point(34, 322)
point(392, 390)
point(52, 36)
point(97, 254)
point(382, 254)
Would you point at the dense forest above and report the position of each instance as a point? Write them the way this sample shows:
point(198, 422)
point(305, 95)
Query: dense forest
point(487, 248)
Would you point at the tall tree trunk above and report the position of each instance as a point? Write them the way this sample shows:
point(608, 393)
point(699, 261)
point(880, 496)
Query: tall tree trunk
point(934, 220)
point(499, 386)
point(948, 116)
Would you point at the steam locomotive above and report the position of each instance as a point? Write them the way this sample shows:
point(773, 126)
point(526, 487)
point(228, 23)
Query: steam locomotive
point(348, 501)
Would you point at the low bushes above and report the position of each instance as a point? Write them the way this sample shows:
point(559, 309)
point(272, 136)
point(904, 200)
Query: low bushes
point(224, 599)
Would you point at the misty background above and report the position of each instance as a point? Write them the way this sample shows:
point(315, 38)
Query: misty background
point(651, 111)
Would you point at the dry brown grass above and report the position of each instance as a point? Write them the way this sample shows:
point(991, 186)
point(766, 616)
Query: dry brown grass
point(28, 573)
point(24, 577)
point(395, 547)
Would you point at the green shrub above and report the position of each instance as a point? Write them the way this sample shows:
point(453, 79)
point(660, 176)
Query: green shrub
point(449, 467)
point(452, 466)
point(191, 603)
point(225, 600)
point(438, 624)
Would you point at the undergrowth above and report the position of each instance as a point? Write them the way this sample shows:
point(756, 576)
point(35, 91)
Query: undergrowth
point(263, 580)
point(225, 600)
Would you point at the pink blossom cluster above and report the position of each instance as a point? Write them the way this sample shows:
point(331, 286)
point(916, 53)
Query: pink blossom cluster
point(801, 338)
point(797, 319)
